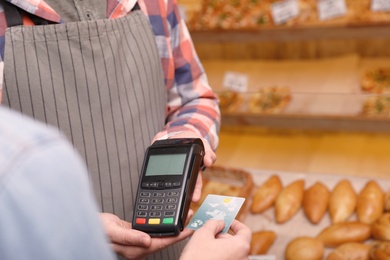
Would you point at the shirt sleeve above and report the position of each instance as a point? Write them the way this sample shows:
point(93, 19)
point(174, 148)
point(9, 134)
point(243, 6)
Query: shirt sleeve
point(191, 105)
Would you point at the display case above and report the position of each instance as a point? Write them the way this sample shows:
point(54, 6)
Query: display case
point(303, 74)
point(322, 63)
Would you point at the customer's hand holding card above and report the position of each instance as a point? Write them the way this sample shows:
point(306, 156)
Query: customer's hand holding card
point(217, 207)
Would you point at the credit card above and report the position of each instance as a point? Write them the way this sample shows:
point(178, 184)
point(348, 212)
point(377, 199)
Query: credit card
point(217, 207)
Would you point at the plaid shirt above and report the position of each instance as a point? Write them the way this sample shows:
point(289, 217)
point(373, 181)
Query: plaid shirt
point(191, 103)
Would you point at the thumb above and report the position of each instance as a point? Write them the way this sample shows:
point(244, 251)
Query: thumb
point(212, 227)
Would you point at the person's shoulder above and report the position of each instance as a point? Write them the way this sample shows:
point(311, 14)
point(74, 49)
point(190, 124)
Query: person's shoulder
point(19, 133)
point(16, 128)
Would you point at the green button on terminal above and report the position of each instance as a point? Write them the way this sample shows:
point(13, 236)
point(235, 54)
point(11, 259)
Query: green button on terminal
point(168, 221)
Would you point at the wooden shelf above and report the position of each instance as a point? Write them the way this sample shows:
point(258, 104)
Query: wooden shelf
point(377, 31)
point(310, 122)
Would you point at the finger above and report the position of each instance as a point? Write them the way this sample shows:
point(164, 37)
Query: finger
point(198, 188)
point(241, 230)
point(212, 227)
point(189, 216)
point(210, 157)
point(130, 252)
point(129, 237)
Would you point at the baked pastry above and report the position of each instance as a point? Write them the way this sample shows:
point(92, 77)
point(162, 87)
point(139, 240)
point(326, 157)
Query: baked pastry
point(304, 248)
point(270, 100)
point(266, 194)
point(370, 203)
point(351, 250)
point(387, 201)
point(380, 250)
point(342, 201)
point(381, 227)
point(229, 101)
point(289, 200)
point(315, 202)
point(345, 232)
point(376, 106)
point(261, 242)
point(376, 80)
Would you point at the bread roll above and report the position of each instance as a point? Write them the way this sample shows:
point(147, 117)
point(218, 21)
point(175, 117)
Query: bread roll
point(315, 202)
point(261, 242)
point(304, 248)
point(266, 194)
point(289, 201)
point(370, 203)
point(381, 227)
point(380, 250)
point(387, 202)
point(345, 232)
point(342, 201)
point(351, 251)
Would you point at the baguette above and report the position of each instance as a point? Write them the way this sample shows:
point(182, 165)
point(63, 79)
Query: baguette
point(370, 203)
point(289, 201)
point(381, 227)
point(261, 242)
point(304, 248)
point(350, 251)
point(315, 202)
point(266, 194)
point(342, 202)
point(345, 232)
point(380, 250)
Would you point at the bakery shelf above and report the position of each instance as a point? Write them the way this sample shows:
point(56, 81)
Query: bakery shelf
point(361, 31)
point(306, 122)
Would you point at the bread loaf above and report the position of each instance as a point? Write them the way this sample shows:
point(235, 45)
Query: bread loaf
point(261, 242)
point(315, 202)
point(387, 201)
point(342, 201)
point(381, 227)
point(344, 232)
point(380, 250)
point(266, 194)
point(304, 248)
point(370, 203)
point(350, 251)
point(289, 201)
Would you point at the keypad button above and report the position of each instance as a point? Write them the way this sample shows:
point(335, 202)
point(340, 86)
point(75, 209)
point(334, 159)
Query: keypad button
point(140, 221)
point(142, 213)
point(145, 185)
point(173, 193)
point(155, 214)
point(145, 194)
point(158, 194)
point(176, 184)
point(154, 221)
point(157, 201)
point(142, 207)
point(168, 221)
point(170, 207)
point(171, 200)
point(143, 201)
point(156, 207)
point(169, 213)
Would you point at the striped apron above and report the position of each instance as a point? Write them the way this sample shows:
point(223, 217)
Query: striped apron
point(101, 83)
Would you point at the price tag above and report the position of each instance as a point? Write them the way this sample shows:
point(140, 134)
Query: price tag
point(235, 81)
point(284, 10)
point(328, 9)
point(380, 5)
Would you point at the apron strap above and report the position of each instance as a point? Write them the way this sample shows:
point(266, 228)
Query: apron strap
point(14, 15)
point(136, 7)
